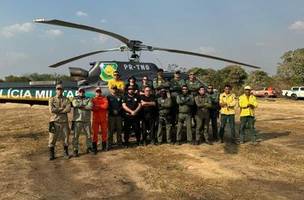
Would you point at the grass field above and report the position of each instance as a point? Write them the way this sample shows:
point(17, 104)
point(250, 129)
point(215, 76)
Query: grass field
point(273, 169)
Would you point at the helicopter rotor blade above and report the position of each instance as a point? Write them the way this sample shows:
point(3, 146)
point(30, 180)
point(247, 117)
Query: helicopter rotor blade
point(83, 27)
point(82, 56)
point(201, 55)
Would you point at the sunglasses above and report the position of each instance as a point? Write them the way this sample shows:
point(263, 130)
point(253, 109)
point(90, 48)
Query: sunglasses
point(58, 88)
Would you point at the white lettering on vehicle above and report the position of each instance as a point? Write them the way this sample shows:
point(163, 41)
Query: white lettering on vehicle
point(41, 94)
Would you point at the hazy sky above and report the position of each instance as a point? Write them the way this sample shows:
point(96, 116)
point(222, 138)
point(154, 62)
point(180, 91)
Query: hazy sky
point(256, 31)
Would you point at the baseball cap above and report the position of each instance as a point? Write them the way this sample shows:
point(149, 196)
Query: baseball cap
point(247, 87)
point(98, 89)
point(81, 89)
point(59, 86)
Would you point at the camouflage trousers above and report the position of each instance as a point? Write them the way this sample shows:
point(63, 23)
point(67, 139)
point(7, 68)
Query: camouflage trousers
point(61, 132)
point(184, 117)
point(164, 121)
point(202, 126)
point(78, 128)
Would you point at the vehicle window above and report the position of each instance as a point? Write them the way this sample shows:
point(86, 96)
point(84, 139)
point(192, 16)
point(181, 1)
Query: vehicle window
point(295, 88)
point(302, 89)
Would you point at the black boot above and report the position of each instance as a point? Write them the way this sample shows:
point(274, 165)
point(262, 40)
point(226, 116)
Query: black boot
point(94, 145)
point(52, 153)
point(66, 152)
point(76, 154)
point(105, 146)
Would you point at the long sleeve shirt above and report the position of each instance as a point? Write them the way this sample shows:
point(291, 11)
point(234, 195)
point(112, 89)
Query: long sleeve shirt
point(82, 109)
point(230, 100)
point(100, 107)
point(245, 103)
point(59, 107)
point(185, 103)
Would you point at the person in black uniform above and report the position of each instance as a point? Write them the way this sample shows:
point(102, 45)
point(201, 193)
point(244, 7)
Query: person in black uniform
point(149, 111)
point(132, 82)
point(115, 116)
point(131, 105)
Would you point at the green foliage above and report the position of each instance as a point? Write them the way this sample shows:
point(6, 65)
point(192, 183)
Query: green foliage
point(258, 79)
point(291, 70)
point(12, 78)
point(234, 75)
point(36, 77)
point(208, 76)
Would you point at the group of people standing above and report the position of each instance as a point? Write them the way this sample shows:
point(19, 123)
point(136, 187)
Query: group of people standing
point(146, 110)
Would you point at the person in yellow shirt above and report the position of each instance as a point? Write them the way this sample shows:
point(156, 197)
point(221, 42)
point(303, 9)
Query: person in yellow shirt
point(247, 103)
point(116, 82)
point(227, 104)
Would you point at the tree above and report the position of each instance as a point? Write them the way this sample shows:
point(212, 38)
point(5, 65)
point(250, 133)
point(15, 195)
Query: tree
point(12, 78)
point(258, 79)
point(234, 75)
point(36, 77)
point(291, 70)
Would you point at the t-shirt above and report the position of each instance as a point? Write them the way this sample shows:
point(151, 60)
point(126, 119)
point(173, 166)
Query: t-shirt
point(118, 83)
point(115, 105)
point(148, 111)
point(131, 102)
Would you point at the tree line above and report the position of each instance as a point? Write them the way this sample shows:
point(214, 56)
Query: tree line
point(290, 72)
point(35, 77)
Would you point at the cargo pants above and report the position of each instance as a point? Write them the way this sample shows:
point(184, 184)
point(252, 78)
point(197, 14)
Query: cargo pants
point(82, 127)
point(61, 132)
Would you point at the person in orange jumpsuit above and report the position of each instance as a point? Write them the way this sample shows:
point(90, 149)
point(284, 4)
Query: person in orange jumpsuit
point(100, 119)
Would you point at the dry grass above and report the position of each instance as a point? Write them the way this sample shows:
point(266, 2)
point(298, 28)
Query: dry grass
point(274, 169)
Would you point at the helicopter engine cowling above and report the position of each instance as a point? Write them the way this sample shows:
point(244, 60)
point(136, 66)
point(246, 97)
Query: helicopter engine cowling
point(78, 74)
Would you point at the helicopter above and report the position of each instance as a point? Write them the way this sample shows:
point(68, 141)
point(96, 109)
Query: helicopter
point(38, 92)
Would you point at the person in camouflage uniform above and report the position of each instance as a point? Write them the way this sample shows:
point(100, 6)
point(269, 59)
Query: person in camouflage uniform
point(213, 111)
point(164, 103)
point(81, 120)
point(203, 103)
point(160, 82)
point(193, 84)
point(59, 107)
point(176, 84)
point(185, 102)
point(175, 88)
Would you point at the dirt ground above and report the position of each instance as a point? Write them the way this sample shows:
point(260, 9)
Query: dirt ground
point(273, 169)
